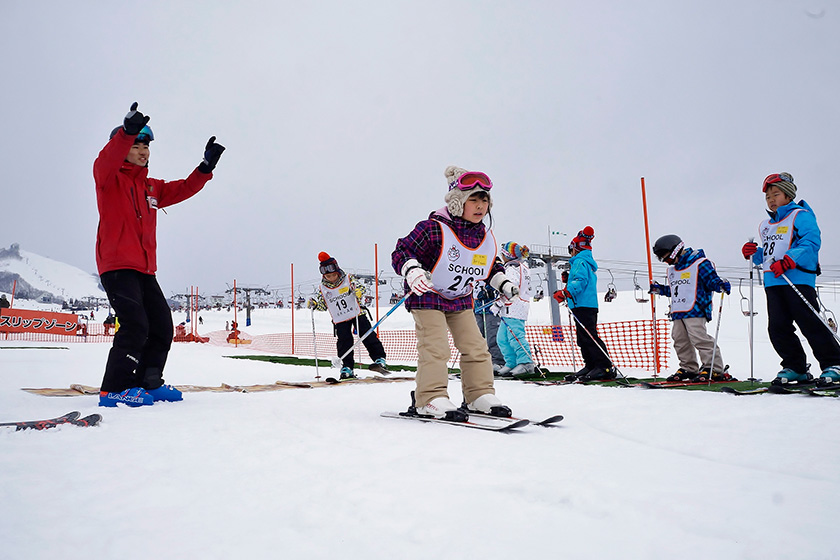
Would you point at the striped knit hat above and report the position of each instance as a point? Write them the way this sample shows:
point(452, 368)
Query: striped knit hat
point(782, 180)
point(512, 251)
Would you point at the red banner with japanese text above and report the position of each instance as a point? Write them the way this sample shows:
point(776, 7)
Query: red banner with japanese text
point(27, 320)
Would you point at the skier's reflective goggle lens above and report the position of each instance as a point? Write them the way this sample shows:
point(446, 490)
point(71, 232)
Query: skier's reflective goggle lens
point(776, 178)
point(470, 180)
point(328, 268)
point(145, 136)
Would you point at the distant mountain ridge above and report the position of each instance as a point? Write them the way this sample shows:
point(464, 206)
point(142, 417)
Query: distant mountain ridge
point(44, 279)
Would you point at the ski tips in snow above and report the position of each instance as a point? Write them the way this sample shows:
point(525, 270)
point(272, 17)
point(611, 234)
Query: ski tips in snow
point(69, 418)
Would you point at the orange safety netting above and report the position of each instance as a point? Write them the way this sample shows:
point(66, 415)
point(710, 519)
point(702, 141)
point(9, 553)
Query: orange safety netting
point(629, 343)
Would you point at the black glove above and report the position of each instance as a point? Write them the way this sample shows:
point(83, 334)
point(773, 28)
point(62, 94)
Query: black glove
point(212, 153)
point(134, 121)
point(656, 289)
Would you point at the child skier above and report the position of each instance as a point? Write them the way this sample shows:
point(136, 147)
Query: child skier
point(128, 201)
point(488, 323)
point(514, 312)
point(691, 280)
point(342, 295)
point(790, 242)
point(581, 295)
point(440, 260)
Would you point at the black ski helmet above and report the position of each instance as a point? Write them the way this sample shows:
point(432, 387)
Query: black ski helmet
point(666, 246)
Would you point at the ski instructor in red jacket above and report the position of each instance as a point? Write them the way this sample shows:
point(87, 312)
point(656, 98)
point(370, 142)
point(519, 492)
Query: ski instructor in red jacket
point(126, 247)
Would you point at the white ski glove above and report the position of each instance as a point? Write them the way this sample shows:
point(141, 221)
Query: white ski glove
point(504, 286)
point(418, 279)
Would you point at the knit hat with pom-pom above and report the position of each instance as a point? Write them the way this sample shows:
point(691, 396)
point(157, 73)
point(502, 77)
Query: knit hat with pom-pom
point(583, 240)
point(456, 198)
point(512, 251)
point(328, 263)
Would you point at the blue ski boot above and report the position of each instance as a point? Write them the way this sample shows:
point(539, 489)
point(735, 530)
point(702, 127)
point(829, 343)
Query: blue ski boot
point(166, 393)
point(347, 373)
point(829, 376)
point(788, 376)
point(132, 397)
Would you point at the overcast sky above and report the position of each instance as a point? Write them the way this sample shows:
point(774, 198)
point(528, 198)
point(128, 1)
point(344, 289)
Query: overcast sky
point(340, 117)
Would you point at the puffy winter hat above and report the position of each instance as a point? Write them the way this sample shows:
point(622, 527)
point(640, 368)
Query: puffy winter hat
point(782, 180)
point(456, 198)
point(328, 263)
point(512, 250)
point(583, 240)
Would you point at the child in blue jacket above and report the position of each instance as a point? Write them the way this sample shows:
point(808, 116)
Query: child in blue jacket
point(581, 295)
point(790, 245)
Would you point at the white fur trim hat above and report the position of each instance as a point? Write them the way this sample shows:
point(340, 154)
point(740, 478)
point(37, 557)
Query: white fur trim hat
point(455, 197)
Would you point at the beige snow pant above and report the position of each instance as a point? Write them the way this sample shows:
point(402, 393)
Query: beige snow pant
point(690, 335)
point(433, 354)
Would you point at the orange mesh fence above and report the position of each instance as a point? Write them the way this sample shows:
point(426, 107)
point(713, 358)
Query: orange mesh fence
point(629, 343)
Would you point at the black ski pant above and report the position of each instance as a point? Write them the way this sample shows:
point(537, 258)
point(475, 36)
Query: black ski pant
point(141, 345)
point(344, 332)
point(784, 308)
point(590, 346)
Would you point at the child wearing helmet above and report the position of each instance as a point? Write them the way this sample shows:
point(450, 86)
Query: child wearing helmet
point(514, 312)
point(581, 295)
point(441, 259)
point(790, 245)
point(342, 294)
point(691, 280)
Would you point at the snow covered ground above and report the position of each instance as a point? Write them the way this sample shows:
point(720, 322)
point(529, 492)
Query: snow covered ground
point(317, 473)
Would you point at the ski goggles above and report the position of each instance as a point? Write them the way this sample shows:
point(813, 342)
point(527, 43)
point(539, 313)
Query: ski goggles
point(470, 180)
point(145, 136)
point(328, 268)
point(776, 178)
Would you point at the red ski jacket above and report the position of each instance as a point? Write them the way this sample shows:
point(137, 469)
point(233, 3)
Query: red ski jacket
point(128, 201)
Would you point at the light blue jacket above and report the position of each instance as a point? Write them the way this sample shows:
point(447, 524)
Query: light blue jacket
point(583, 283)
point(804, 248)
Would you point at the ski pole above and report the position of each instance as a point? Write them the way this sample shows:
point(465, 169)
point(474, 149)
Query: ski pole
point(571, 328)
point(811, 307)
point(717, 332)
point(486, 305)
point(315, 346)
point(752, 315)
point(336, 361)
point(603, 351)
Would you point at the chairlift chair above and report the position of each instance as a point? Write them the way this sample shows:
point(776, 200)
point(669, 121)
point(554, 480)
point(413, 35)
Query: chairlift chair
point(745, 301)
point(638, 291)
point(611, 291)
point(827, 313)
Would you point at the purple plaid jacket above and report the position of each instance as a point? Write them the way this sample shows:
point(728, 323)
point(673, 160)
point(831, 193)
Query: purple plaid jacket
point(424, 244)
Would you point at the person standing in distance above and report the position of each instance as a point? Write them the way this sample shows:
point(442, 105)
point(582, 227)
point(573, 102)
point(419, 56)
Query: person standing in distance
point(126, 248)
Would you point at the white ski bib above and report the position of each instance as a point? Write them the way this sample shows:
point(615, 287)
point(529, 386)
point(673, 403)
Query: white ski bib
point(684, 287)
point(341, 301)
point(458, 267)
point(776, 238)
point(519, 306)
